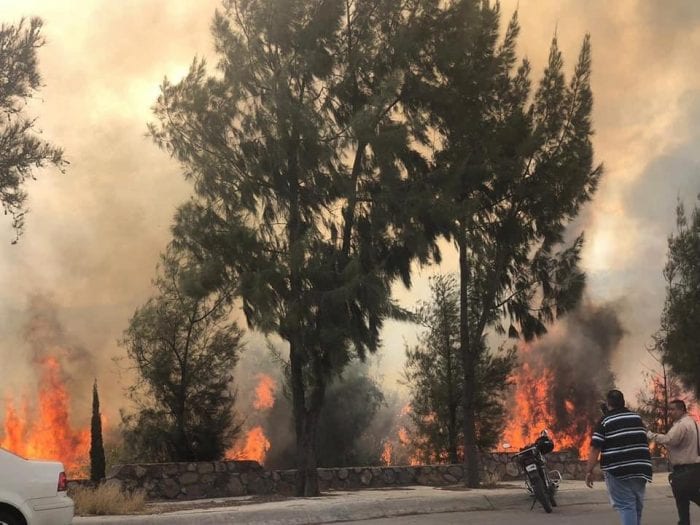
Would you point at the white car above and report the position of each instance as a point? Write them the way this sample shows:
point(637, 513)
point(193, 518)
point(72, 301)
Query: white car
point(33, 492)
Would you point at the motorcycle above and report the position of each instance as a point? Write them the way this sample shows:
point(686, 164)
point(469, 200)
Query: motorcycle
point(540, 483)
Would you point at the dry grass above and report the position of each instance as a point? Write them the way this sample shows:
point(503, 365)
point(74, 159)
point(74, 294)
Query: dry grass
point(107, 498)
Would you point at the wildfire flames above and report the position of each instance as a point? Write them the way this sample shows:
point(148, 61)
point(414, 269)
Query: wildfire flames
point(255, 444)
point(47, 435)
point(264, 393)
point(398, 448)
point(534, 409)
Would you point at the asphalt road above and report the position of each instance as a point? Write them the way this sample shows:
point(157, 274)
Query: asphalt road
point(506, 504)
point(657, 512)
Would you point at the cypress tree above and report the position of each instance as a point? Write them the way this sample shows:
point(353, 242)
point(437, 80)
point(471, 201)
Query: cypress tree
point(97, 450)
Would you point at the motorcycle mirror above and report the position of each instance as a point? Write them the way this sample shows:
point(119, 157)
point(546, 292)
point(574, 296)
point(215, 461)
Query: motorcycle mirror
point(544, 433)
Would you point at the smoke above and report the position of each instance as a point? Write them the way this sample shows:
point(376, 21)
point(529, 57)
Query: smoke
point(577, 355)
point(44, 338)
point(358, 415)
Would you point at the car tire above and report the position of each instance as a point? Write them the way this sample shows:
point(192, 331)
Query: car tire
point(10, 518)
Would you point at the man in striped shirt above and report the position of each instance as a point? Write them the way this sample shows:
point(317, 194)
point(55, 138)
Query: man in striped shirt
point(620, 441)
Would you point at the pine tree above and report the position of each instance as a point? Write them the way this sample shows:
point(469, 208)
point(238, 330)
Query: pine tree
point(434, 376)
point(97, 450)
point(680, 320)
point(184, 347)
point(304, 174)
point(511, 171)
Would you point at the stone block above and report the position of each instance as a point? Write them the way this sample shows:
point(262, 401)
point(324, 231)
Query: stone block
point(170, 469)
point(325, 474)
point(205, 468)
point(342, 473)
point(188, 478)
point(196, 491)
point(407, 476)
point(235, 487)
point(389, 476)
point(259, 485)
point(207, 479)
point(366, 477)
point(169, 488)
point(449, 478)
point(455, 471)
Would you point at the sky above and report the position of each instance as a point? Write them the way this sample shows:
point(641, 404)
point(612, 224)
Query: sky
point(94, 234)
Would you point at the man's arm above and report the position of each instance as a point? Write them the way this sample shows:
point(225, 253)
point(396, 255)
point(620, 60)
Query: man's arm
point(593, 453)
point(673, 438)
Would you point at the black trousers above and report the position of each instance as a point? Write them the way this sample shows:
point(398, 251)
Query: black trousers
point(685, 483)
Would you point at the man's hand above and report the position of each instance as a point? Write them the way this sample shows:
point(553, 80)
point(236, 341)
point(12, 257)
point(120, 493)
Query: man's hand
point(650, 435)
point(589, 480)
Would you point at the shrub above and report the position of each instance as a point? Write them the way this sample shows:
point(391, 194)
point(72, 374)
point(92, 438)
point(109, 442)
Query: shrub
point(107, 498)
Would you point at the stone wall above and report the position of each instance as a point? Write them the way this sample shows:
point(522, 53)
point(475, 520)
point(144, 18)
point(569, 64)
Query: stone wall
point(167, 481)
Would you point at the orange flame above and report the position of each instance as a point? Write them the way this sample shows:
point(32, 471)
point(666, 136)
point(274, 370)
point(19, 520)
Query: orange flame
point(264, 392)
point(532, 412)
point(50, 435)
point(255, 446)
point(386, 453)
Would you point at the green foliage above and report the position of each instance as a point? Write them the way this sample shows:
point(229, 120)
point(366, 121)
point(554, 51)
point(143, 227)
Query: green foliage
point(304, 173)
point(97, 450)
point(435, 377)
point(680, 321)
point(184, 349)
point(21, 150)
point(512, 169)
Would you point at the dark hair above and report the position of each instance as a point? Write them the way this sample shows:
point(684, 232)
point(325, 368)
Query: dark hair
point(615, 399)
point(680, 404)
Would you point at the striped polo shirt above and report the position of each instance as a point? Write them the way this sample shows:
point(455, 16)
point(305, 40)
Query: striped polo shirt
point(624, 450)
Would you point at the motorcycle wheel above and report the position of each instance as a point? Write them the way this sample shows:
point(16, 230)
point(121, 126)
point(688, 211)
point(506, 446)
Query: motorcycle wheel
point(551, 497)
point(541, 495)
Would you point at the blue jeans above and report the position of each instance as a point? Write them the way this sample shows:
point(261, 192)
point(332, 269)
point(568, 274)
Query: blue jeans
point(627, 498)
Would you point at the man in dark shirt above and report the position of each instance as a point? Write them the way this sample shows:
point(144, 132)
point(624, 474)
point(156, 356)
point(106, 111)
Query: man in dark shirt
point(621, 442)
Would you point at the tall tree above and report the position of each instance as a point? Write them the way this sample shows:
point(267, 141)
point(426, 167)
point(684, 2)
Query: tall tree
point(303, 170)
point(97, 449)
point(184, 348)
point(680, 320)
point(511, 172)
point(435, 377)
point(21, 150)
point(661, 386)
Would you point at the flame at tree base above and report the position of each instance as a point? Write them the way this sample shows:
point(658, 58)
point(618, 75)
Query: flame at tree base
point(536, 407)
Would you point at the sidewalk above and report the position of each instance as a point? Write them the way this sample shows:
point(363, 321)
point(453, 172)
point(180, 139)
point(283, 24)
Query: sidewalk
point(363, 504)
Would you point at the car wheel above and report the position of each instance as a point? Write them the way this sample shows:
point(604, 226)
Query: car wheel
point(10, 518)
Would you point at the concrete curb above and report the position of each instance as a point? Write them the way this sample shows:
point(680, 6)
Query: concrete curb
point(370, 504)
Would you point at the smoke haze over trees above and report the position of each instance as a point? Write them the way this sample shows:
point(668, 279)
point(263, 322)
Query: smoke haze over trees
point(123, 192)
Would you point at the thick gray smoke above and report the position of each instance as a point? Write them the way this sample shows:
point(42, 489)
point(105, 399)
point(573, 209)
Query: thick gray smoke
point(577, 355)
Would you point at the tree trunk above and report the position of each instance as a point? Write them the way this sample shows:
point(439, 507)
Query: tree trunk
point(471, 453)
point(307, 479)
